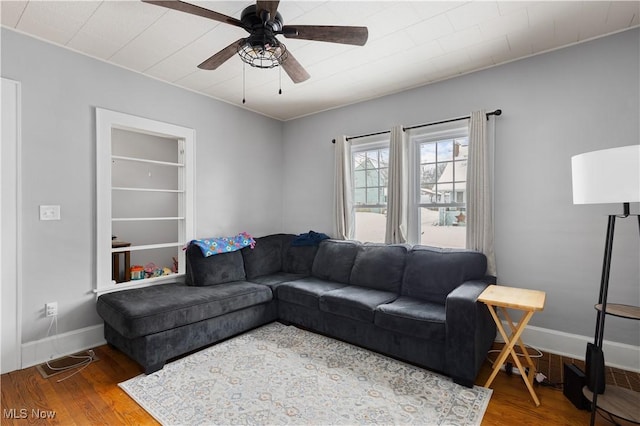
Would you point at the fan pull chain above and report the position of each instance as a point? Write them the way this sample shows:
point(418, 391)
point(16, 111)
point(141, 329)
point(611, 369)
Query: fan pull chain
point(244, 67)
point(280, 75)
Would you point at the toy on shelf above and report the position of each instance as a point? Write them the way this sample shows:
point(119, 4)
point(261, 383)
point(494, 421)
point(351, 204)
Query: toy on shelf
point(150, 270)
point(137, 272)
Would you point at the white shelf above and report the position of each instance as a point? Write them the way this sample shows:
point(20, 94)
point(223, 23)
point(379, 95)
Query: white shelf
point(121, 188)
point(146, 247)
point(145, 219)
point(144, 160)
point(139, 283)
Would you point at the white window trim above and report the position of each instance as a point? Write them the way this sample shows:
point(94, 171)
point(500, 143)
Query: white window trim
point(107, 120)
point(416, 137)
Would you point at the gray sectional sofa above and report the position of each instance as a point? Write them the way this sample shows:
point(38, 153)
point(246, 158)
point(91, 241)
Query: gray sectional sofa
point(415, 303)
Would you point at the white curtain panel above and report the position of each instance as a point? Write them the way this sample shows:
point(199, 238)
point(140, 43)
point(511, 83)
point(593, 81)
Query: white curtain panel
point(480, 189)
point(396, 231)
point(344, 215)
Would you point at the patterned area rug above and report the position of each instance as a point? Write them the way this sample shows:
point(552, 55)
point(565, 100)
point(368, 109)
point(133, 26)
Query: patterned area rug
point(280, 374)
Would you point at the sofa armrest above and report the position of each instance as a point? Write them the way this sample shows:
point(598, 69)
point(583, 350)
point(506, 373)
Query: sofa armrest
point(470, 331)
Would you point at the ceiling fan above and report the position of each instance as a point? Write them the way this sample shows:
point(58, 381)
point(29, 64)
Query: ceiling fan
point(262, 49)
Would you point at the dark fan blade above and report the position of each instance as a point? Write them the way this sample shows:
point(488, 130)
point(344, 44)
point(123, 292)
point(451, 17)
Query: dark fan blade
point(333, 34)
point(269, 6)
point(222, 56)
point(196, 10)
point(293, 68)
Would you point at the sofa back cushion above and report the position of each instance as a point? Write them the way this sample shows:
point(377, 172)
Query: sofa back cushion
point(265, 258)
point(297, 259)
point(432, 273)
point(212, 270)
point(334, 260)
point(379, 266)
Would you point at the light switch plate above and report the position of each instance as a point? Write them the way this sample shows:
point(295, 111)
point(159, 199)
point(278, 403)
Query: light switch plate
point(49, 212)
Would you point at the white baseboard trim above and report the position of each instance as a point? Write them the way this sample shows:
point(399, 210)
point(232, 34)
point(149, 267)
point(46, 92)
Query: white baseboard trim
point(39, 351)
point(618, 355)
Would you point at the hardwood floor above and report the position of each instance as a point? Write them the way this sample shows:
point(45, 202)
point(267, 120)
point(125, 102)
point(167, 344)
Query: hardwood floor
point(92, 397)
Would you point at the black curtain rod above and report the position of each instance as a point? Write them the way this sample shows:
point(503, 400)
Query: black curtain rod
point(368, 134)
point(364, 136)
point(404, 129)
point(496, 112)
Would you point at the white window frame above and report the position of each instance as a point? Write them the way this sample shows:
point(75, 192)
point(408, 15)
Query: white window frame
point(416, 137)
point(106, 121)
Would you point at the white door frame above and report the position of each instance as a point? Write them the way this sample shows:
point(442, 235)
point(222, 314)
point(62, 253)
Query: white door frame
point(10, 232)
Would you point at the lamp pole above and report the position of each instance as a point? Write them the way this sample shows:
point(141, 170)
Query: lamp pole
point(602, 300)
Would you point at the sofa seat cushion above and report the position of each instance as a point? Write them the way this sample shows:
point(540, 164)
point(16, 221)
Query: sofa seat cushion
point(358, 303)
point(148, 310)
point(414, 317)
point(274, 280)
point(306, 292)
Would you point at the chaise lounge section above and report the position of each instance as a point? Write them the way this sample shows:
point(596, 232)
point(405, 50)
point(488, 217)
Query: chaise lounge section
point(418, 304)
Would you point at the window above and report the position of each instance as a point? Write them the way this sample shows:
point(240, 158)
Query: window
point(370, 165)
point(144, 198)
point(438, 216)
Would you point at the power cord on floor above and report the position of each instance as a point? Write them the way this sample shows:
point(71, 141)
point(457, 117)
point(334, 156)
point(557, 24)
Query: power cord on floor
point(538, 353)
point(81, 365)
point(542, 380)
point(509, 366)
point(539, 379)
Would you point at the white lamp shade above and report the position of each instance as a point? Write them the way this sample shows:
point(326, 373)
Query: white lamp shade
point(607, 176)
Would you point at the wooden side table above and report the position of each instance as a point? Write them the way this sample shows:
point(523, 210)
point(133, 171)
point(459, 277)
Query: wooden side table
point(115, 262)
point(498, 297)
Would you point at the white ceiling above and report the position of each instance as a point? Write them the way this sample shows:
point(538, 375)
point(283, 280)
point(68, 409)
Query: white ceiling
point(410, 43)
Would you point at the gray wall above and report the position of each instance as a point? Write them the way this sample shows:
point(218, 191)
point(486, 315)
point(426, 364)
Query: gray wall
point(238, 168)
point(555, 105)
point(263, 176)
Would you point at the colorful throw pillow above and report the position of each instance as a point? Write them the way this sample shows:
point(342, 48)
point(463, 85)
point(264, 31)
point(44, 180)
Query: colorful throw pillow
point(217, 245)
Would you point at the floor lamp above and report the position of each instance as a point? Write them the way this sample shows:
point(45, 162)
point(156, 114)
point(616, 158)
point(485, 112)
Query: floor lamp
point(602, 177)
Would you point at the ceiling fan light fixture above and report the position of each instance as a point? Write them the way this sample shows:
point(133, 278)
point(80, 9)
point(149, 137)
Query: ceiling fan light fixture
point(260, 54)
point(262, 49)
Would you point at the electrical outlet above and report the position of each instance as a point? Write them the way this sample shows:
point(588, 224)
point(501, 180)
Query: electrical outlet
point(49, 212)
point(51, 309)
